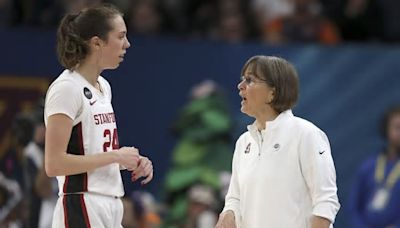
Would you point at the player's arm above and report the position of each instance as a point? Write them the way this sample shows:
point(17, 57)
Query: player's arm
point(59, 163)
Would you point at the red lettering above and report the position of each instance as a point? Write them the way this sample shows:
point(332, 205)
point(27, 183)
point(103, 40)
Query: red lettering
point(111, 140)
point(107, 143)
point(96, 119)
point(104, 118)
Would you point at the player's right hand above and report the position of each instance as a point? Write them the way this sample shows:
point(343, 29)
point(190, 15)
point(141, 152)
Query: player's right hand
point(226, 220)
point(128, 157)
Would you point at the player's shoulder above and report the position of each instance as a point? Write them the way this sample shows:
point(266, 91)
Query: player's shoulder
point(104, 82)
point(67, 76)
point(66, 86)
point(102, 79)
point(66, 80)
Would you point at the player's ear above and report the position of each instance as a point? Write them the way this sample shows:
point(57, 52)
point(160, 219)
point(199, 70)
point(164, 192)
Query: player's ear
point(96, 43)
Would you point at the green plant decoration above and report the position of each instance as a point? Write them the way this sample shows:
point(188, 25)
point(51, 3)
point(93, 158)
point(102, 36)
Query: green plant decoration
point(204, 149)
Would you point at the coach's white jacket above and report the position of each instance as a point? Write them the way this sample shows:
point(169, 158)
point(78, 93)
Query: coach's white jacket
point(282, 176)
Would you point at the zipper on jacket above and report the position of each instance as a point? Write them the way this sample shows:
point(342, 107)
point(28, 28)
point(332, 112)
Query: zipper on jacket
point(260, 144)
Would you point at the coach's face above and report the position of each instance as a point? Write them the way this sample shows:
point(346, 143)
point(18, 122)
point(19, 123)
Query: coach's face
point(256, 95)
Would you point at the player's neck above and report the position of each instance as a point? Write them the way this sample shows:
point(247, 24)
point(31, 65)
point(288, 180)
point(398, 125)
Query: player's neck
point(89, 72)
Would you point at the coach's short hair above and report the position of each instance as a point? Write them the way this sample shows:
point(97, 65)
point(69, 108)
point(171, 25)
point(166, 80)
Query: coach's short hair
point(278, 73)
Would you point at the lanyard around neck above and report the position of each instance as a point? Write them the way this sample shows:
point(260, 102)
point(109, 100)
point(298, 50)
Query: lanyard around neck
point(393, 176)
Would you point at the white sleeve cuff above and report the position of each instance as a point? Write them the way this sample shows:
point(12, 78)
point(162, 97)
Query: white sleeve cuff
point(236, 212)
point(326, 210)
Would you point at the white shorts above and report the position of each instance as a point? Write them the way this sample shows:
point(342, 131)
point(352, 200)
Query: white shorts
point(88, 210)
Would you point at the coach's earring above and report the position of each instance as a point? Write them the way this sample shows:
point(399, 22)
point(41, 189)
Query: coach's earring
point(271, 97)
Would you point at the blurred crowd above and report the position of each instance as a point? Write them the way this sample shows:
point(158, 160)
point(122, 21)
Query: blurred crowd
point(268, 21)
point(27, 194)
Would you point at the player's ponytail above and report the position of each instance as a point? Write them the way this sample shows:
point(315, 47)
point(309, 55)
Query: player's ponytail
point(71, 49)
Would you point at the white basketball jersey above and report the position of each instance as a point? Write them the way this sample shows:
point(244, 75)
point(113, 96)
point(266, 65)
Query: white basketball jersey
point(94, 131)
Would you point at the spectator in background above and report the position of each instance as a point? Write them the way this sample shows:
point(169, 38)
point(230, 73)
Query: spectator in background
point(200, 212)
point(121, 4)
point(140, 211)
point(129, 219)
point(22, 160)
point(41, 191)
point(10, 198)
point(12, 164)
point(34, 158)
point(235, 23)
point(360, 20)
point(5, 12)
point(39, 13)
point(306, 24)
point(145, 17)
point(201, 16)
point(47, 189)
point(176, 20)
point(231, 28)
point(389, 15)
point(375, 198)
point(269, 10)
point(75, 6)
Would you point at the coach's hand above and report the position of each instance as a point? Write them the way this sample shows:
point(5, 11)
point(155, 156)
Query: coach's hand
point(144, 169)
point(226, 220)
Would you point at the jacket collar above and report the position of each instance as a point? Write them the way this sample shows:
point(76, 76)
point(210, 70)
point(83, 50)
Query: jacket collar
point(271, 125)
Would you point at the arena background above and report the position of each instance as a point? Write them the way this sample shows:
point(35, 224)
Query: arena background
point(344, 90)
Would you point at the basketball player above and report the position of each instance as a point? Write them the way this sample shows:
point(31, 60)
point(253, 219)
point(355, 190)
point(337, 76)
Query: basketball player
point(81, 146)
point(283, 174)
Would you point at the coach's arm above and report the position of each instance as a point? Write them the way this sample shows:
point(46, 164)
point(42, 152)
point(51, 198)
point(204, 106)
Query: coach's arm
point(231, 213)
point(319, 173)
point(319, 222)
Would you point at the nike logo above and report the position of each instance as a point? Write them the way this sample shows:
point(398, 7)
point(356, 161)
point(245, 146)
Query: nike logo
point(321, 152)
point(92, 103)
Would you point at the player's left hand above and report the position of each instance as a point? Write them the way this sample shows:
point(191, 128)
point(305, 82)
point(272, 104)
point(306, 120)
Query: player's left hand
point(144, 169)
